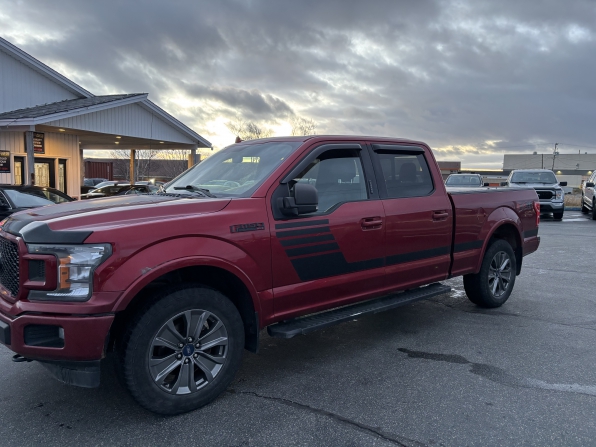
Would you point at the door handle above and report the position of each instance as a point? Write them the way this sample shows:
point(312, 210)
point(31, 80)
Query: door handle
point(370, 223)
point(440, 215)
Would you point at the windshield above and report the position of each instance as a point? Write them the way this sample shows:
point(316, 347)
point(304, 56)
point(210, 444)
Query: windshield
point(27, 199)
point(546, 177)
point(463, 180)
point(235, 171)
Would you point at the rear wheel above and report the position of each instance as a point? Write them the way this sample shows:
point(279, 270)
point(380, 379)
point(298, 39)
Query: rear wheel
point(492, 285)
point(182, 351)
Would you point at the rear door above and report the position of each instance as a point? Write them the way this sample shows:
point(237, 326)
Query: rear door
point(418, 215)
point(334, 255)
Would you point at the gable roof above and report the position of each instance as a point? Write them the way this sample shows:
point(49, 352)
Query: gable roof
point(42, 68)
point(86, 103)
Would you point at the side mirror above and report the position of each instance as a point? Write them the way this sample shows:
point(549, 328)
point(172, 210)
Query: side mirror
point(590, 185)
point(503, 184)
point(563, 183)
point(304, 200)
point(486, 184)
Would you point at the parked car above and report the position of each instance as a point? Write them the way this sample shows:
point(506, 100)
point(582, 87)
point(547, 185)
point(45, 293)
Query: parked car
point(15, 198)
point(294, 234)
point(465, 181)
point(91, 183)
point(137, 189)
point(548, 188)
point(112, 183)
point(588, 202)
point(118, 189)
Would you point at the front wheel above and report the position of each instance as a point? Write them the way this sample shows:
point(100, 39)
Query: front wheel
point(558, 216)
point(594, 207)
point(492, 285)
point(182, 351)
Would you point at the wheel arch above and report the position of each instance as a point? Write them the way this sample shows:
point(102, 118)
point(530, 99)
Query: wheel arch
point(214, 273)
point(507, 230)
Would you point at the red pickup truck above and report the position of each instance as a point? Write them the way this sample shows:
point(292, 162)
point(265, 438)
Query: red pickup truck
point(293, 234)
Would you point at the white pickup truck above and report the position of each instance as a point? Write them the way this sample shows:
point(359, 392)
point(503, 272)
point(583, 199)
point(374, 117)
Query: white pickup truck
point(548, 188)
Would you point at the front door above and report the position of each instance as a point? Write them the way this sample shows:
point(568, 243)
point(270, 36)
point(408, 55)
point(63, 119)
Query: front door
point(44, 172)
point(335, 255)
point(418, 228)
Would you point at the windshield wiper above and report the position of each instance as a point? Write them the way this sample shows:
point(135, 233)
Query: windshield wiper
point(202, 191)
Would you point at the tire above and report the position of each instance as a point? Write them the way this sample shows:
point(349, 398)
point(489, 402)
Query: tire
point(558, 216)
point(594, 207)
point(480, 287)
point(168, 373)
point(585, 209)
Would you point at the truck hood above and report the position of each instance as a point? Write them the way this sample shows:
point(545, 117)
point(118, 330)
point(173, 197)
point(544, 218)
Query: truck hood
point(73, 222)
point(538, 185)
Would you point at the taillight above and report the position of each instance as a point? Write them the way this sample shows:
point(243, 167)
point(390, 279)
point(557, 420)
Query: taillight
point(537, 210)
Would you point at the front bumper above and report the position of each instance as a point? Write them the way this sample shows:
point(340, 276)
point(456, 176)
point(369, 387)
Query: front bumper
point(549, 206)
point(83, 337)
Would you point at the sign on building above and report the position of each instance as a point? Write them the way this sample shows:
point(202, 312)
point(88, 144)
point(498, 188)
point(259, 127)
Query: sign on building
point(5, 162)
point(39, 143)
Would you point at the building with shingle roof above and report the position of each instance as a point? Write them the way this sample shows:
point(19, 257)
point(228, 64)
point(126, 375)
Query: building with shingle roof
point(47, 120)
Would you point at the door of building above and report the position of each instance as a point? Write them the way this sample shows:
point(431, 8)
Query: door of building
point(19, 170)
point(45, 172)
point(62, 176)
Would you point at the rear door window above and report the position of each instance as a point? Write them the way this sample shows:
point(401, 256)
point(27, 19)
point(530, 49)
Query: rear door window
point(405, 174)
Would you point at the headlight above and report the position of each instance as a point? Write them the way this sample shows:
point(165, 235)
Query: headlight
point(76, 264)
point(559, 194)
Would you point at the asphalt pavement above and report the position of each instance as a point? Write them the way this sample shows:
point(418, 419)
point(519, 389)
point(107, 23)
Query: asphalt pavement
point(441, 372)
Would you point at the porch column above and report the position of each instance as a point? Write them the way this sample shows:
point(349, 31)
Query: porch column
point(132, 166)
point(30, 175)
point(192, 157)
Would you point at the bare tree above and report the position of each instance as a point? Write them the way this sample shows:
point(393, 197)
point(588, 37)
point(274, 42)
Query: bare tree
point(248, 130)
point(143, 161)
point(302, 126)
point(174, 162)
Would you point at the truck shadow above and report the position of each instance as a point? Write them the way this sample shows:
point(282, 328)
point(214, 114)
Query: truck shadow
point(280, 363)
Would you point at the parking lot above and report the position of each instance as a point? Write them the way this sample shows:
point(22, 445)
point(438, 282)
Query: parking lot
point(439, 372)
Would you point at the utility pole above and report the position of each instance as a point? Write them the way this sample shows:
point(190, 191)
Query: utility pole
point(555, 153)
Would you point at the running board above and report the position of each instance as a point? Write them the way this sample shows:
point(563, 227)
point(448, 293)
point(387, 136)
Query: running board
point(304, 325)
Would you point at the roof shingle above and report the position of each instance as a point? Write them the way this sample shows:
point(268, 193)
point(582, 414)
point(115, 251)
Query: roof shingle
point(63, 106)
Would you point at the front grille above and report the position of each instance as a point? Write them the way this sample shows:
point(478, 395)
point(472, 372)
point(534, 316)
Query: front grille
point(545, 195)
point(9, 266)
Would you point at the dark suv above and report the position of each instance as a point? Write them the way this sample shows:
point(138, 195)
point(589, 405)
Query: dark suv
point(15, 198)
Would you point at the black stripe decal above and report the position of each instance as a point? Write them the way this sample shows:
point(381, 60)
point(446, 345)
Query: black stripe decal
point(307, 223)
point(306, 240)
point(312, 249)
point(463, 246)
point(303, 232)
point(330, 264)
point(417, 255)
point(531, 233)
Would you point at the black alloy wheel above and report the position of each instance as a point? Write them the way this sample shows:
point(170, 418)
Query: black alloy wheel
point(182, 349)
point(492, 285)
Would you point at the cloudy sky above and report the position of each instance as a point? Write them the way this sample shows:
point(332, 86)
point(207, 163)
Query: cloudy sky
point(473, 78)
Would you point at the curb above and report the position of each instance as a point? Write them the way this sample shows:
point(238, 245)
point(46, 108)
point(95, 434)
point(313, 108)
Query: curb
point(573, 208)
